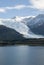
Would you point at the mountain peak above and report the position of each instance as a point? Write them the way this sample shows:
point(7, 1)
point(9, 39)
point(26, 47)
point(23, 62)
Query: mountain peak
point(21, 18)
point(41, 15)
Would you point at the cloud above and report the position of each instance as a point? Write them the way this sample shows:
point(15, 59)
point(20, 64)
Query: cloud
point(2, 10)
point(20, 6)
point(39, 4)
point(17, 7)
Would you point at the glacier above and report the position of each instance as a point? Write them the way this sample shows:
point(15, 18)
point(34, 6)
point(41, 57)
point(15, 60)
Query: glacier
point(17, 24)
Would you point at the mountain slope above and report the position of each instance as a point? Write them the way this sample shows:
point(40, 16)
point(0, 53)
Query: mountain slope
point(26, 27)
point(35, 24)
point(38, 25)
point(9, 34)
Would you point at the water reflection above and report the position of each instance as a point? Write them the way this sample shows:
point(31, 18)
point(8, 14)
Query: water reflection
point(22, 55)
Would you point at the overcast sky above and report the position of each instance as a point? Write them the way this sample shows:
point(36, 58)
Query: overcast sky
point(11, 8)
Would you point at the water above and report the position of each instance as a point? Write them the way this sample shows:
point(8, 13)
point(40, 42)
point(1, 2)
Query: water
point(22, 55)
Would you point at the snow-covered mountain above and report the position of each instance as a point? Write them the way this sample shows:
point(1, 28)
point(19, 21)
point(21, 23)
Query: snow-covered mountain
point(36, 24)
point(37, 21)
point(24, 25)
point(34, 20)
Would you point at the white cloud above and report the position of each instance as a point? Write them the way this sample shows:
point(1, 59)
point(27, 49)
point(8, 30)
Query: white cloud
point(20, 6)
point(2, 10)
point(16, 7)
point(39, 4)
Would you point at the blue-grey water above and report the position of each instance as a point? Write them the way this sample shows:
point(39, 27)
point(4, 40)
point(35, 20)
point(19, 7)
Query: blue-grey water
point(22, 55)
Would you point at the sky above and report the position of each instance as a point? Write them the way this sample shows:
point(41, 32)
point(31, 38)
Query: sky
point(12, 8)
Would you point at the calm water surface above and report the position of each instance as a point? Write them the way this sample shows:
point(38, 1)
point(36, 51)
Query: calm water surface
point(22, 55)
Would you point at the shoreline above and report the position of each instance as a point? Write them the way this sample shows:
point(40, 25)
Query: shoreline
point(30, 42)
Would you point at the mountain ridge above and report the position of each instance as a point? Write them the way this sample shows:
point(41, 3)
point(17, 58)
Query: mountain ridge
point(30, 27)
point(9, 34)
